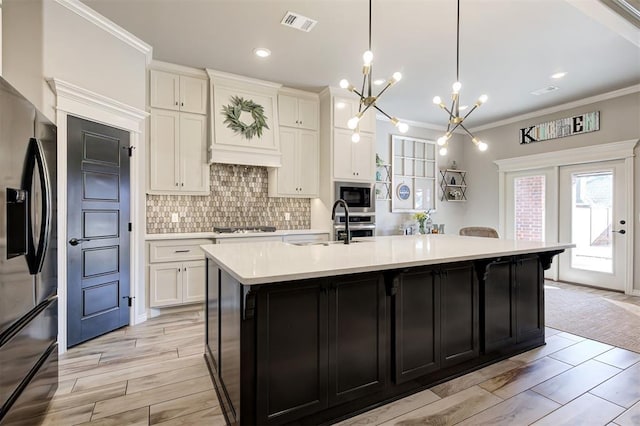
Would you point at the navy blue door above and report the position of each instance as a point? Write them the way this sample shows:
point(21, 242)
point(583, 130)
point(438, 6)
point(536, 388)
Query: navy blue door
point(97, 228)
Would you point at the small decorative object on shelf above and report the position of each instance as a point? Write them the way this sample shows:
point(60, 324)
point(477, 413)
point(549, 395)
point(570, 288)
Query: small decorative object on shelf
point(383, 179)
point(454, 166)
point(453, 183)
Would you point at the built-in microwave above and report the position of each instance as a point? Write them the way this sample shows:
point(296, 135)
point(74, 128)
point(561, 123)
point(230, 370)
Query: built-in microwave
point(360, 197)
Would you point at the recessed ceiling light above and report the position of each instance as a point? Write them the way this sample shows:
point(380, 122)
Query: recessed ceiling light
point(545, 90)
point(558, 75)
point(379, 82)
point(463, 107)
point(262, 52)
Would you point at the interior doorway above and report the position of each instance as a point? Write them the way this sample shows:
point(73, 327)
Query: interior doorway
point(592, 215)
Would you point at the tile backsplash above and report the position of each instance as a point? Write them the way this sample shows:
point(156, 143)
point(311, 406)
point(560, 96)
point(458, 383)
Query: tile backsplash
point(238, 198)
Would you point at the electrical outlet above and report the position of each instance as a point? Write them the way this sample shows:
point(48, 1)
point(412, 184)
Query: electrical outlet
point(174, 217)
point(287, 216)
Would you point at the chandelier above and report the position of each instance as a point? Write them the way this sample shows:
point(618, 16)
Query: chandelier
point(368, 100)
point(455, 120)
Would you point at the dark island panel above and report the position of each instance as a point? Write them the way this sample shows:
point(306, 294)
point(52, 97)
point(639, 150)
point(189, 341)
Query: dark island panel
point(319, 350)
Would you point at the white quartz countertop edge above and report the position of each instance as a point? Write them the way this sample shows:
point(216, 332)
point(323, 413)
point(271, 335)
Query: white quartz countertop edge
point(270, 262)
point(212, 235)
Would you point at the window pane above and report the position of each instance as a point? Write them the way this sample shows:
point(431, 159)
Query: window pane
point(591, 209)
point(529, 208)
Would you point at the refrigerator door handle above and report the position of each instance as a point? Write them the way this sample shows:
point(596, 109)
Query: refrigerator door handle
point(35, 158)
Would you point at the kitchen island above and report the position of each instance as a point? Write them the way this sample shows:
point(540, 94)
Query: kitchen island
point(313, 333)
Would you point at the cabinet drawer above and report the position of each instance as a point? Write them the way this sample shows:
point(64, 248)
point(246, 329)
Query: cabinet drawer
point(176, 250)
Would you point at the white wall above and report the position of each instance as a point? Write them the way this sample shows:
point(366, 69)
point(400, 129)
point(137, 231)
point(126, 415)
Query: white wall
point(619, 121)
point(451, 214)
point(44, 39)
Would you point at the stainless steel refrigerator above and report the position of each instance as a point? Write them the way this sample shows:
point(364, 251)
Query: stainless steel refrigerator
point(28, 259)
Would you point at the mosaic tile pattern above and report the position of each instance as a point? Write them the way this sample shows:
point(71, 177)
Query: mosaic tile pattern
point(238, 198)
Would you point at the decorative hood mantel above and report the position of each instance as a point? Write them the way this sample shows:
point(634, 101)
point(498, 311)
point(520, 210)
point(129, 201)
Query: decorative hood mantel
point(244, 120)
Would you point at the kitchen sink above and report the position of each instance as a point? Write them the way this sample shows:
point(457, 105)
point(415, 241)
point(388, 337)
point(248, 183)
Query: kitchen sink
point(323, 243)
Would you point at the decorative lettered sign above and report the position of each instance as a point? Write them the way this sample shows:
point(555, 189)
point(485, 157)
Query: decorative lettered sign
point(585, 123)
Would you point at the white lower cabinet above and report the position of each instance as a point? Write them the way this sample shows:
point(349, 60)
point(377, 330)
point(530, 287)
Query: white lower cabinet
point(176, 272)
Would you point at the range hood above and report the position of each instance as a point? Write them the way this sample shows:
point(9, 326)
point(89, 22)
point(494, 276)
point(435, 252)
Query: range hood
point(243, 120)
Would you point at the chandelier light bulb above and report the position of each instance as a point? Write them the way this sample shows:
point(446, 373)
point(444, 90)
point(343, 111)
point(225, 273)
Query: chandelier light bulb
point(437, 100)
point(442, 140)
point(355, 137)
point(402, 127)
point(443, 151)
point(456, 87)
point(397, 76)
point(344, 83)
point(482, 99)
point(353, 122)
point(367, 57)
point(482, 146)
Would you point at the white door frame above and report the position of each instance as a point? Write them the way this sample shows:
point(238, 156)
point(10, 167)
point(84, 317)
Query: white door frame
point(74, 100)
point(588, 154)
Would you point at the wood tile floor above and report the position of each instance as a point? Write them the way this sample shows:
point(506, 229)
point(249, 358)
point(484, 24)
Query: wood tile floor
point(154, 373)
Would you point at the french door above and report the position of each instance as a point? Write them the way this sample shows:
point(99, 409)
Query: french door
point(592, 215)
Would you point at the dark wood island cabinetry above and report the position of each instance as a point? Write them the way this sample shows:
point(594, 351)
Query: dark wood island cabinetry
point(316, 350)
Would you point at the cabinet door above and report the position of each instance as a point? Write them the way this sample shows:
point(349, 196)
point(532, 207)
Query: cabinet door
point(164, 90)
point(193, 281)
point(308, 114)
point(193, 95)
point(364, 158)
point(164, 151)
point(342, 165)
point(459, 314)
point(193, 153)
point(343, 110)
point(529, 298)
point(357, 338)
point(287, 173)
point(165, 284)
point(288, 110)
point(292, 348)
point(417, 325)
point(308, 163)
point(499, 307)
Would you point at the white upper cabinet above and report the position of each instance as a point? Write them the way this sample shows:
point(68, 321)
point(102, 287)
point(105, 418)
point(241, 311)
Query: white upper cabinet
point(353, 161)
point(178, 92)
point(178, 153)
point(298, 176)
point(298, 112)
point(346, 108)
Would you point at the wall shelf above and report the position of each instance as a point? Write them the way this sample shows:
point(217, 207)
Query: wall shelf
point(453, 183)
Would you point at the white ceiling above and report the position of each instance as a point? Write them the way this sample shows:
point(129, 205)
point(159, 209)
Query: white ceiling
point(508, 48)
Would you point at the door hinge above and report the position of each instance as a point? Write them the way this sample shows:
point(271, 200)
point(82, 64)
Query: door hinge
point(130, 149)
point(130, 301)
point(130, 227)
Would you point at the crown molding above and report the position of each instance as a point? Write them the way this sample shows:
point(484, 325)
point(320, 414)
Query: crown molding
point(179, 69)
point(213, 75)
point(586, 154)
point(109, 26)
point(559, 108)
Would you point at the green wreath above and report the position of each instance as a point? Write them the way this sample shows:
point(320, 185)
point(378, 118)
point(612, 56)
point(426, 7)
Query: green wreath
point(232, 117)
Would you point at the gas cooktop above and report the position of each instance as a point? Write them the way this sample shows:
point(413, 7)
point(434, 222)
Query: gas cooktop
point(244, 229)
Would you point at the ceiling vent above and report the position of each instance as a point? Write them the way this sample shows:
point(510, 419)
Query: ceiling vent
point(299, 22)
point(544, 90)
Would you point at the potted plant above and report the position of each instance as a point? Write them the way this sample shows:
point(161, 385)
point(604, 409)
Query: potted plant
point(423, 218)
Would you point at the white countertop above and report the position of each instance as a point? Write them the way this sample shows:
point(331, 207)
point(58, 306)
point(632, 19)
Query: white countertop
point(213, 235)
point(265, 262)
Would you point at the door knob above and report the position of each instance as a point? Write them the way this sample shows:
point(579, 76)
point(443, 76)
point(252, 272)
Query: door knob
point(622, 222)
point(75, 241)
point(622, 231)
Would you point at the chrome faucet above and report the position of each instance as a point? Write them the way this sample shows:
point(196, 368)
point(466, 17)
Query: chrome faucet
point(347, 236)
